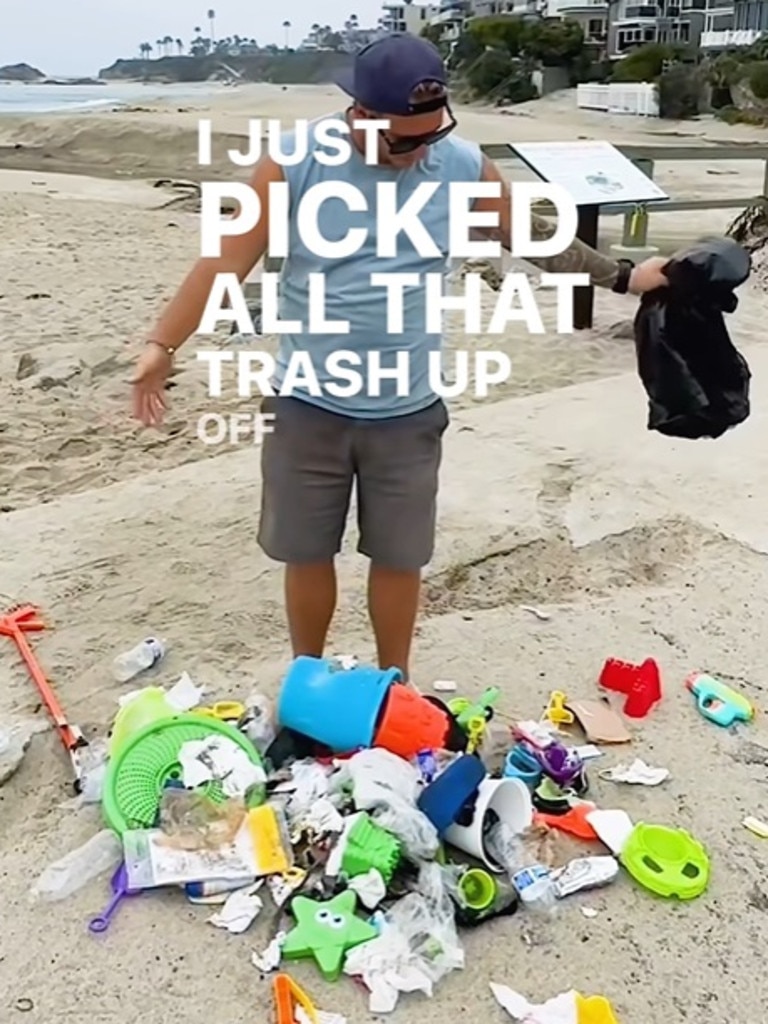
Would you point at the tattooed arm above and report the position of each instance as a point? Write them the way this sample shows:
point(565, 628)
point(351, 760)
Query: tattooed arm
point(578, 258)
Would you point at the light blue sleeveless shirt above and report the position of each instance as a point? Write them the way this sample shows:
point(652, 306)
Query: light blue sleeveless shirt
point(349, 295)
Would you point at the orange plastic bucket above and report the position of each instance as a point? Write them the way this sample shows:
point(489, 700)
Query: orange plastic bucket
point(410, 723)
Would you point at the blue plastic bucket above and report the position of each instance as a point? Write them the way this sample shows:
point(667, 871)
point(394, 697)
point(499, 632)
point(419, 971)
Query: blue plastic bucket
point(338, 708)
point(521, 765)
point(442, 800)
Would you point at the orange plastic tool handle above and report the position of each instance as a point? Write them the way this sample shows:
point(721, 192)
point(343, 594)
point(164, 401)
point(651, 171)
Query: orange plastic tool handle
point(287, 995)
point(14, 625)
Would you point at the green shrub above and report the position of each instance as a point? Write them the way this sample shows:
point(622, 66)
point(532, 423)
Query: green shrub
point(732, 115)
point(468, 48)
point(555, 42)
point(503, 33)
point(646, 63)
point(680, 91)
point(489, 71)
point(758, 79)
point(496, 76)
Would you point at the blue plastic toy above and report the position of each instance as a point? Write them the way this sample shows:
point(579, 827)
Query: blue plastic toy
point(336, 707)
point(521, 764)
point(442, 801)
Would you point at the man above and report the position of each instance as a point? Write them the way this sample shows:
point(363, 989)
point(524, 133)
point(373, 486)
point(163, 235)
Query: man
point(388, 446)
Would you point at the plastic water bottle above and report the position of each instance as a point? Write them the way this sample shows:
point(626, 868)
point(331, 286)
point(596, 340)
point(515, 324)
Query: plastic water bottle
point(103, 852)
point(138, 659)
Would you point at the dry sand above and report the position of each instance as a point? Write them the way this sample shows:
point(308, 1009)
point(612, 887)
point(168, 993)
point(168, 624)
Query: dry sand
point(554, 494)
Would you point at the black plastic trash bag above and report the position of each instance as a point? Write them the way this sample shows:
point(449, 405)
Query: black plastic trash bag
point(696, 381)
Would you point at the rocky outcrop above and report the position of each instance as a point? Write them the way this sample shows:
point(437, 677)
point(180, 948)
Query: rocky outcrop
point(291, 68)
point(20, 73)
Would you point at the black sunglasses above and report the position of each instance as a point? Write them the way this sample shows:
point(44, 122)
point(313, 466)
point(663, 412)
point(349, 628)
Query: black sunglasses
point(402, 144)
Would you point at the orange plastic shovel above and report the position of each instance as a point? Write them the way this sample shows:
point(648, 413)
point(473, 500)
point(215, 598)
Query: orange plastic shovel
point(15, 625)
point(288, 995)
point(574, 822)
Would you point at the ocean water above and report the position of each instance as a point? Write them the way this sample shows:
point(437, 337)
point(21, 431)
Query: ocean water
point(19, 98)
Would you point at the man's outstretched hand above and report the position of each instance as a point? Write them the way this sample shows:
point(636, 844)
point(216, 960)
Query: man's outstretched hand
point(648, 275)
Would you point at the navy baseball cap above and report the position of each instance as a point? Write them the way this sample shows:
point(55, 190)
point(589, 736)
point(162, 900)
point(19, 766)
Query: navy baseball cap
point(386, 72)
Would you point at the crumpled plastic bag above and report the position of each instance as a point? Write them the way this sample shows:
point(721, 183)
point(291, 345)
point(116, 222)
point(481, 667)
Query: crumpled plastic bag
point(387, 787)
point(696, 381)
point(417, 946)
point(192, 821)
point(14, 742)
point(309, 784)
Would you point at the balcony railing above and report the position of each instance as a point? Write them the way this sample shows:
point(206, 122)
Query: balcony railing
point(562, 7)
point(446, 17)
point(730, 37)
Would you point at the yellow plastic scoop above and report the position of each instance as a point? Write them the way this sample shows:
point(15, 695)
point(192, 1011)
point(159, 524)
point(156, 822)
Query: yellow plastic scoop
point(224, 710)
point(556, 712)
point(594, 1010)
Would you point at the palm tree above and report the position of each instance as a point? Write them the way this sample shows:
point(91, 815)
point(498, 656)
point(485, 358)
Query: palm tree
point(212, 20)
point(168, 42)
point(180, 46)
point(287, 27)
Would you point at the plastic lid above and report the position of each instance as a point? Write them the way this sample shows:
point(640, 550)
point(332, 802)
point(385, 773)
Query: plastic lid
point(478, 889)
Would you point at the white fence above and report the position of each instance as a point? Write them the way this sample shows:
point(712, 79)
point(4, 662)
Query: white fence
point(638, 98)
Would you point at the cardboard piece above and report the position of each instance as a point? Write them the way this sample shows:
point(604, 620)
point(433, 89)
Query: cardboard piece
point(601, 724)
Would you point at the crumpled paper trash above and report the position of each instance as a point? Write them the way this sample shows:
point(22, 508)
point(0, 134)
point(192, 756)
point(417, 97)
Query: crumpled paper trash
point(322, 818)
point(387, 968)
point(567, 1008)
point(307, 786)
point(370, 888)
point(220, 758)
point(636, 774)
point(269, 960)
point(239, 911)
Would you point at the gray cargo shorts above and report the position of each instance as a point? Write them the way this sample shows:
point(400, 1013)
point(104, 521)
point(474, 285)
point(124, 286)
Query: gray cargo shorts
point(309, 464)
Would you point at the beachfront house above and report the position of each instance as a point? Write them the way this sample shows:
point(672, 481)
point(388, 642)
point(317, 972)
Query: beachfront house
point(738, 23)
point(619, 25)
point(636, 23)
point(712, 25)
point(450, 17)
point(406, 16)
point(592, 15)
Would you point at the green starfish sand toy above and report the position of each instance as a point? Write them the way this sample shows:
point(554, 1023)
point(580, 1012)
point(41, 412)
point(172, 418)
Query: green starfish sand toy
point(325, 931)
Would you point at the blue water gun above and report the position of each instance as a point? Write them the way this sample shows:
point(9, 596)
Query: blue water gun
point(718, 702)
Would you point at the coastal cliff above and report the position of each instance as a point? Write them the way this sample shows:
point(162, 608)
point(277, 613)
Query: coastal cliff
point(288, 68)
point(20, 73)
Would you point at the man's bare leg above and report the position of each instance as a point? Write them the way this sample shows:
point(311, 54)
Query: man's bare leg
point(310, 601)
point(393, 603)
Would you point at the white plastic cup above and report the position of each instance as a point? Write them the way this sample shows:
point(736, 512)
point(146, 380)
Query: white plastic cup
point(510, 801)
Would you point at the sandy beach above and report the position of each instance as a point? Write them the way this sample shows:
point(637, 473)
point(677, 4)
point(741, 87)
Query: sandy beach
point(554, 494)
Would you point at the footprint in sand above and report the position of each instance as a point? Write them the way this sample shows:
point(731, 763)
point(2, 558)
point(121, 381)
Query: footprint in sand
point(74, 448)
